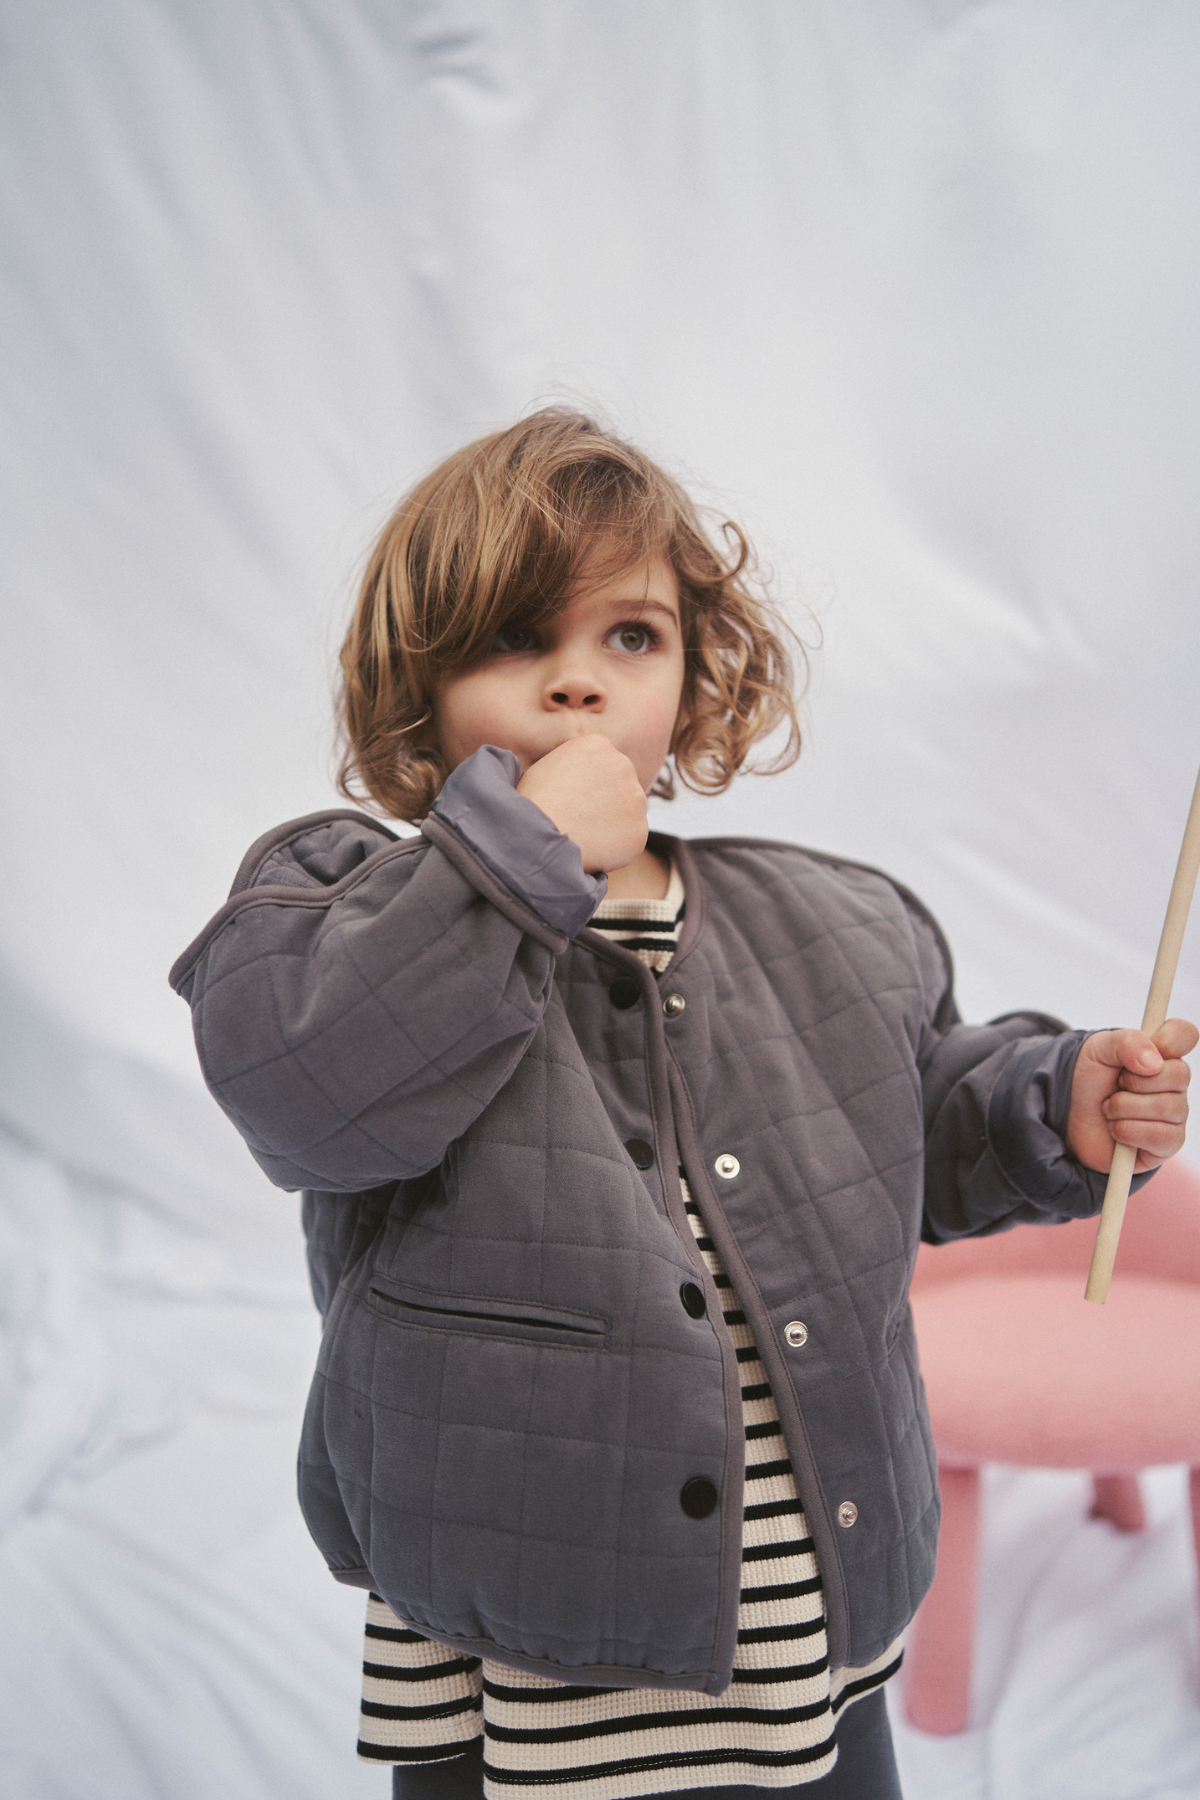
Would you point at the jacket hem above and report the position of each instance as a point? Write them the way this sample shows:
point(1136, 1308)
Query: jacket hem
point(614, 1675)
point(357, 1577)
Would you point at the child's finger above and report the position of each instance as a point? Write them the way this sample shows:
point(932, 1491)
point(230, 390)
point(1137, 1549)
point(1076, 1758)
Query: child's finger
point(1130, 1050)
point(1156, 1141)
point(1176, 1037)
point(1168, 1109)
point(1172, 1078)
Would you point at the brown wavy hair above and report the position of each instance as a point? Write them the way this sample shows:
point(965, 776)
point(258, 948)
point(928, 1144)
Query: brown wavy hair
point(494, 536)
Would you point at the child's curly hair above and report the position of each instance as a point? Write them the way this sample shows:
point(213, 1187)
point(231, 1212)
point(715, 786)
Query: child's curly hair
point(494, 536)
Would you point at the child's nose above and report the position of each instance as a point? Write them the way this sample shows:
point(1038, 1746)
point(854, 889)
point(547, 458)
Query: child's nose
point(577, 691)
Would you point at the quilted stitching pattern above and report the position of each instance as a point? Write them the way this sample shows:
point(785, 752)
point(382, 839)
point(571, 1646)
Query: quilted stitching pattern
point(388, 1023)
point(322, 1031)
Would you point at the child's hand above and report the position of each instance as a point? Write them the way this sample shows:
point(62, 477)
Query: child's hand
point(591, 791)
point(1131, 1088)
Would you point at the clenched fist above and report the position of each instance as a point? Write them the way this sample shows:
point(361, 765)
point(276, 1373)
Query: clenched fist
point(1131, 1088)
point(590, 790)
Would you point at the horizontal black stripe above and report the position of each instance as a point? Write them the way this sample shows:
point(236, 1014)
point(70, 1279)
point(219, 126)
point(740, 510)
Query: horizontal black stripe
point(770, 1509)
point(661, 940)
point(722, 1281)
point(748, 1353)
point(392, 1634)
point(448, 1709)
point(654, 1721)
point(647, 934)
point(766, 1471)
point(769, 1428)
point(424, 1753)
point(637, 1765)
point(793, 1672)
point(766, 1552)
point(780, 1634)
point(705, 1243)
point(496, 1690)
point(458, 1665)
point(649, 939)
point(735, 1316)
point(866, 1682)
point(783, 1590)
point(758, 1390)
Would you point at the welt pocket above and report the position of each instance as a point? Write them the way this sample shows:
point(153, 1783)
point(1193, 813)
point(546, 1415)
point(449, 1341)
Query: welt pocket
point(528, 1321)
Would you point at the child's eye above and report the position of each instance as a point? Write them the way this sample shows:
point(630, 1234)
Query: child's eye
point(636, 639)
point(515, 638)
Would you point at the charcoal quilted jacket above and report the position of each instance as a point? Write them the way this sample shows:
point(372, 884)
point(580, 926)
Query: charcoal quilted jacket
point(487, 1104)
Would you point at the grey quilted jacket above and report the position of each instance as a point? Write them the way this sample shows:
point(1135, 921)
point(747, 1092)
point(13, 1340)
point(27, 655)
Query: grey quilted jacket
point(487, 1104)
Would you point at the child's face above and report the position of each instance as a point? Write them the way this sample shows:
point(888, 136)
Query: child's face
point(611, 661)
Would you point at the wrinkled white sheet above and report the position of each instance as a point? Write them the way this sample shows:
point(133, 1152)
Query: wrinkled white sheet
point(908, 284)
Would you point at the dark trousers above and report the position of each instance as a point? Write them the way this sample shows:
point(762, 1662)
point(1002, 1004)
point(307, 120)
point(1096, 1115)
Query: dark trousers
point(865, 1768)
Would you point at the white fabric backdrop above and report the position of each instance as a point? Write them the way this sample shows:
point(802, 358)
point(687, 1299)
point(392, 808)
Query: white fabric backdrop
point(911, 286)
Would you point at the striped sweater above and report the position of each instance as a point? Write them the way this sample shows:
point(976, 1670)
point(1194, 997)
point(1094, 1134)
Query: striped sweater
point(772, 1727)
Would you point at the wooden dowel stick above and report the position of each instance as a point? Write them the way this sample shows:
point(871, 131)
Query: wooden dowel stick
point(1157, 1001)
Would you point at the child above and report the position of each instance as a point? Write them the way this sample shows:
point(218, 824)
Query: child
point(613, 1190)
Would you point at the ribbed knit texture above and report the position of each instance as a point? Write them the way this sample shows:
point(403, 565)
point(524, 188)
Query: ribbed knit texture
point(773, 1726)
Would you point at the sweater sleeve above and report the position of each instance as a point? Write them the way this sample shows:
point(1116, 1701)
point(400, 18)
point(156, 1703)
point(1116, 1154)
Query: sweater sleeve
point(358, 1001)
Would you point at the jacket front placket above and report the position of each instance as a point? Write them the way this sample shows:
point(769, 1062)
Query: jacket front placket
point(667, 1158)
point(678, 1141)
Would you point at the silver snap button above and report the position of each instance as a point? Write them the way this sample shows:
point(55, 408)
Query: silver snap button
point(795, 1333)
point(847, 1513)
point(727, 1167)
point(673, 1005)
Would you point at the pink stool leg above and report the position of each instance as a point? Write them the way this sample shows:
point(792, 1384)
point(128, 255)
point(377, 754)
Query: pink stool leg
point(1118, 1498)
point(938, 1655)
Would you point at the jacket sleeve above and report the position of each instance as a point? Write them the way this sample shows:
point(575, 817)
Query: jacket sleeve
point(996, 1099)
point(358, 1001)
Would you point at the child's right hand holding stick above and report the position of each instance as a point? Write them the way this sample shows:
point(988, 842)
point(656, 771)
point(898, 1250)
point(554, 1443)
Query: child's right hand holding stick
point(1130, 1087)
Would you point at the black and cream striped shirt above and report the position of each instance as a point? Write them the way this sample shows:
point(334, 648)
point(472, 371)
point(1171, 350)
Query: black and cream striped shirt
point(771, 1728)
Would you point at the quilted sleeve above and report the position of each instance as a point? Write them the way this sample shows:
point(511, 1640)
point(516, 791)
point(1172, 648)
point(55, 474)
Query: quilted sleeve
point(995, 1103)
point(358, 1001)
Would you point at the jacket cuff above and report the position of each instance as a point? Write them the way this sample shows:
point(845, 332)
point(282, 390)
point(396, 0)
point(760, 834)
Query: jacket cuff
point(1027, 1128)
point(517, 841)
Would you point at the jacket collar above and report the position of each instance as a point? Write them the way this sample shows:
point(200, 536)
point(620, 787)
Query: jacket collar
point(670, 848)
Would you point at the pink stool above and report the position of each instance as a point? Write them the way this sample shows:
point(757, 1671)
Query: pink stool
point(1020, 1369)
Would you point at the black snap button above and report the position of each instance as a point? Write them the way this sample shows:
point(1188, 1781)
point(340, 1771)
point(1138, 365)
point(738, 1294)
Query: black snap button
point(641, 1152)
point(698, 1497)
point(692, 1295)
point(625, 992)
